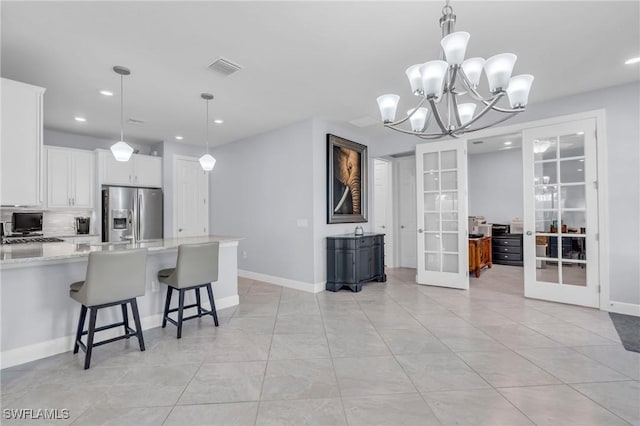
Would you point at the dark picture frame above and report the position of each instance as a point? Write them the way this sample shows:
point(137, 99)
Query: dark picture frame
point(346, 181)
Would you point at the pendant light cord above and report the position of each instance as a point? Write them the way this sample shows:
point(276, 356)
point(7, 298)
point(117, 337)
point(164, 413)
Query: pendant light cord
point(121, 107)
point(207, 134)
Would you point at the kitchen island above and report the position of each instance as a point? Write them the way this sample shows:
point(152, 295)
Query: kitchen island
point(38, 317)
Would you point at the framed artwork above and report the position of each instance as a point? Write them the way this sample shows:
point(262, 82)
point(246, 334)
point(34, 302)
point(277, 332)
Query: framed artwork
point(346, 181)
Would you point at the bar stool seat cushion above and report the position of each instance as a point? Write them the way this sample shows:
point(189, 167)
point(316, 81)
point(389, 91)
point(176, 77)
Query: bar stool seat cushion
point(167, 276)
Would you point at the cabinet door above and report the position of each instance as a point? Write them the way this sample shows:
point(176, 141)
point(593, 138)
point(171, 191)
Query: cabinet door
point(82, 172)
point(21, 151)
point(377, 259)
point(148, 171)
point(115, 172)
point(58, 178)
point(364, 263)
point(345, 266)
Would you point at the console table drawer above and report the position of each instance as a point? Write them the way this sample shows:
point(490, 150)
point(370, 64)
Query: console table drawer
point(507, 249)
point(507, 256)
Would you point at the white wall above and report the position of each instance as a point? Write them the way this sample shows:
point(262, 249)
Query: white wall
point(495, 185)
point(622, 105)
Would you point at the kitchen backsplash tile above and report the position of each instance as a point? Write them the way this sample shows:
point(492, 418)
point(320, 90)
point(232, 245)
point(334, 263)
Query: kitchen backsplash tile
point(55, 222)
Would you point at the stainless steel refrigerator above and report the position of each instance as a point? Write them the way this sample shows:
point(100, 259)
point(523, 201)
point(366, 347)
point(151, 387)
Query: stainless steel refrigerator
point(131, 214)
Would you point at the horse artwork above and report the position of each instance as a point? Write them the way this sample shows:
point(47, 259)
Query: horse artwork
point(346, 181)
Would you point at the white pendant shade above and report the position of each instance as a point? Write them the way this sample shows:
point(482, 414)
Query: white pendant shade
point(472, 68)
point(432, 74)
point(388, 105)
point(498, 69)
point(466, 112)
point(413, 74)
point(518, 90)
point(454, 46)
point(418, 118)
point(121, 151)
point(207, 162)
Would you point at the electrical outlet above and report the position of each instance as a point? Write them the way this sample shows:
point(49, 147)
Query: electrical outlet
point(244, 254)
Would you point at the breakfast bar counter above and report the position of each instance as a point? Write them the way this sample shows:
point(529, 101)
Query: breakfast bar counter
point(38, 317)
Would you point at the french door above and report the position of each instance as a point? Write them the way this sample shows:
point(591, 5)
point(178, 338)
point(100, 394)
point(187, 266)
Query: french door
point(441, 177)
point(561, 213)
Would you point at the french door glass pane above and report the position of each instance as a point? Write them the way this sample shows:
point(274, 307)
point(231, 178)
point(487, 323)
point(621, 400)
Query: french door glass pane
point(545, 173)
point(574, 248)
point(547, 272)
point(431, 202)
point(431, 181)
point(432, 262)
point(549, 153)
point(572, 171)
point(450, 263)
point(450, 242)
point(572, 145)
point(544, 220)
point(449, 180)
point(432, 242)
point(449, 201)
point(430, 161)
point(432, 222)
point(546, 197)
point(572, 197)
point(449, 159)
point(576, 221)
point(449, 221)
point(574, 273)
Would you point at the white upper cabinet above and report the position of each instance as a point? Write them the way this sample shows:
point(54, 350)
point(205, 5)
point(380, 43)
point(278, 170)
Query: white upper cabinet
point(21, 145)
point(70, 177)
point(140, 170)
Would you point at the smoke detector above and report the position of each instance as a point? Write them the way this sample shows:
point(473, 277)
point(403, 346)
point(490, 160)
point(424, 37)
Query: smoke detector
point(224, 66)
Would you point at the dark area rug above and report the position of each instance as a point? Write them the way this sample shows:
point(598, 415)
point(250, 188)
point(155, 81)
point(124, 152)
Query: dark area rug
point(628, 328)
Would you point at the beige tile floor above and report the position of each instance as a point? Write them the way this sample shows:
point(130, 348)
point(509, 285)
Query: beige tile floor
point(394, 354)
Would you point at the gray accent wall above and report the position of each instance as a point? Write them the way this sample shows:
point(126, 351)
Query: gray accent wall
point(495, 185)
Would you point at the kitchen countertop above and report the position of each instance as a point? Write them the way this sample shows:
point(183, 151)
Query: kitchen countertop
point(32, 254)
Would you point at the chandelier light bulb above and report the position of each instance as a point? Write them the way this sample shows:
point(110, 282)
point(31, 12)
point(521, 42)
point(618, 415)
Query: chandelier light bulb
point(418, 118)
point(498, 69)
point(388, 105)
point(472, 68)
point(433, 74)
point(518, 90)
point(454, 46)
point(413, 74)
point(466, 112)
point(121, 151)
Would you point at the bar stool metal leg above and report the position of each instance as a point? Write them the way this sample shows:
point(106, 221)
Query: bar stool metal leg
point(180, 311)
point(136, 318)
point(93, 313)
point(167, 304)
point(197, 290)
point(213, 304)
point(125, 318)
point(83, 316)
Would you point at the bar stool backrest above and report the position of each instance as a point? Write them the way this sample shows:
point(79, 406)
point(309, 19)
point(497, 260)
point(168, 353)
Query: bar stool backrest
point(114, 275)
point(197, 264)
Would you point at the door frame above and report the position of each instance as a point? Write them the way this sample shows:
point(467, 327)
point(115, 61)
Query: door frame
point(603, 183)
point(389, 210)
point(174, 207)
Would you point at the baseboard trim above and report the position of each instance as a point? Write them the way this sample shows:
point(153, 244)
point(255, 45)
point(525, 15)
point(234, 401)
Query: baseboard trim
point(624, 308)
point(283, 282)
point(60, 345)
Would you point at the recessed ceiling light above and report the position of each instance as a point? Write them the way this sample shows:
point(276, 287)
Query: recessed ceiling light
point(579, 170)
point(218, 121)
point(582, 161)
point(179, 138)
point(80, 119)
point(106, 92)
point(632, 60)
point(508, 143)
point(580, 133)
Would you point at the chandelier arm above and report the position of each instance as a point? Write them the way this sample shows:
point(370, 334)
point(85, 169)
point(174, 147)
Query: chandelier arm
point(456, 113)
point(486, 109)
point(395, 123)
point(419, 134)
point(472, 90)
point(502, 119)
point(436, 114)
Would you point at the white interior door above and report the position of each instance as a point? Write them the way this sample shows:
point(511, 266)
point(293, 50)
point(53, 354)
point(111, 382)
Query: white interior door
point(441, 177)
point(561, 213)
point(191, 198)
point(406, 212)
point(382, 206)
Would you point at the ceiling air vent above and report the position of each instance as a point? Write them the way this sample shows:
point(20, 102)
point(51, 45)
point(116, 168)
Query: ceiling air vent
point(224, 66)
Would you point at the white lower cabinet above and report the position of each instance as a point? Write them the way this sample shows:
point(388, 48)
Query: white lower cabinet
point(140, 170)
point(70, 178)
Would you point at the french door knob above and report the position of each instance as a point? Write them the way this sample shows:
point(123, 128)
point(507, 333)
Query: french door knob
point(420, 231)
point(529, 233)
point(180, 230)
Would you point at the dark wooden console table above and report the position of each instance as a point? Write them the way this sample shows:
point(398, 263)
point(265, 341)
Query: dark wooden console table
point(354, 259)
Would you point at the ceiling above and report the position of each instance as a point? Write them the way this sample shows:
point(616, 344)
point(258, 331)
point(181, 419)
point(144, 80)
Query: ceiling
point(494, 143)
point(300, 59)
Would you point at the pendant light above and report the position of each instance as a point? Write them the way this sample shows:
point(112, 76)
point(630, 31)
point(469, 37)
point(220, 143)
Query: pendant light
point(121, 150)
point(207, 161)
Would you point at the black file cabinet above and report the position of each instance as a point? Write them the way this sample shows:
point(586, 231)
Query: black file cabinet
point(353, 260)
point(507, 249)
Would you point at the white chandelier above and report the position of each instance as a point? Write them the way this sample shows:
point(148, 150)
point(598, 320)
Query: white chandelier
point(434, 82)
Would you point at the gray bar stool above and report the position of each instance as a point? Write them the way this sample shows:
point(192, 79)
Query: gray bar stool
point(113, 278)
point(197, 267)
